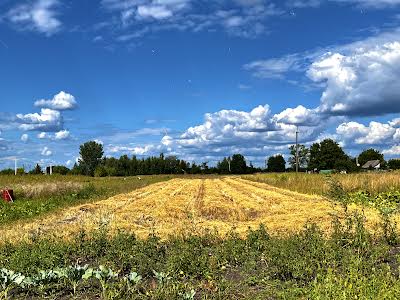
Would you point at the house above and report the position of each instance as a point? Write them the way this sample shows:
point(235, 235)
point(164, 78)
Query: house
point(372, 164)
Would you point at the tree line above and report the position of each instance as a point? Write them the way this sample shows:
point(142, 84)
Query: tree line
point(325, 155)
point(328, 155)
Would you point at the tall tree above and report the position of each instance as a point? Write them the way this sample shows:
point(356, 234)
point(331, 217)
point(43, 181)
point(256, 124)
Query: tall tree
point(37, 170)
point(370, 154)
point(91, 154)
point(238, 164)
point(223, 166)
point(326, 155)
point(304, 156)
point(276, 163)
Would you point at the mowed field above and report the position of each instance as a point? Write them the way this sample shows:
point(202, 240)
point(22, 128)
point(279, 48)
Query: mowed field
point(188, 206)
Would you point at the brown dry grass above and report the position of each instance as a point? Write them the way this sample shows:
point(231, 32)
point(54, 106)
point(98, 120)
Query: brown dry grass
point(318, 184)
point(192, 206)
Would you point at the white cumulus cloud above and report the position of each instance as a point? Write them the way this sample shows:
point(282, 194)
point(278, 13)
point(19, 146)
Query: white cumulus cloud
point(61, 101)
point(45, 121)
point(24, 137)
point(375, 133)
point(62, 135)
point(46, 152)
point(362, 83)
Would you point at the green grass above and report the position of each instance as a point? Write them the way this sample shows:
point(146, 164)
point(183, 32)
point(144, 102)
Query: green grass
point(39, 195)
point(349, 264)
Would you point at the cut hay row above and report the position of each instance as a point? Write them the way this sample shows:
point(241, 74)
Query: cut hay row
point(182, 206)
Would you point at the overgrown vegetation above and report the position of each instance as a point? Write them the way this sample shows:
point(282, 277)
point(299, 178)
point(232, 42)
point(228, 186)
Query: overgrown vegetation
point(350, 263)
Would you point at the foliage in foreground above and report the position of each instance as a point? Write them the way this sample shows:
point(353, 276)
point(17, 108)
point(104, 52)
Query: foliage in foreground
point(350, 263)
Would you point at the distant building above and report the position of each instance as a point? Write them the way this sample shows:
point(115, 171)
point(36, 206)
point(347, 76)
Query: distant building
point(372, 164)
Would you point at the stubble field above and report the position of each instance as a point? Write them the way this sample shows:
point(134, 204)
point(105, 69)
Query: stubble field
point(189, 206)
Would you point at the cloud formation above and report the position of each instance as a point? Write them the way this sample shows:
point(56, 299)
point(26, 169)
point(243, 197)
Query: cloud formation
point(239, 18)
point(48, 120)
point(62, 135)
point(24, 137)
point(362, 83)
point(371, 4)
point(357, 79)
point(46, 152)
point(61, 101)
point(38, 15)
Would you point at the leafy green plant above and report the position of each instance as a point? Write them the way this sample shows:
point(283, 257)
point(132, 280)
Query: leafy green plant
point(162, 278)
point(104, 275)
point(132, 279)
point(8, 280)
point(73, 274)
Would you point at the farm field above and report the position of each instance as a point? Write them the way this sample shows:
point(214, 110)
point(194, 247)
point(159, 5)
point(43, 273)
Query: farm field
point(188, 206)
point(194, 237)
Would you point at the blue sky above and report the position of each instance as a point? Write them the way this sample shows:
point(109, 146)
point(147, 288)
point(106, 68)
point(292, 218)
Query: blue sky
point(197, 79)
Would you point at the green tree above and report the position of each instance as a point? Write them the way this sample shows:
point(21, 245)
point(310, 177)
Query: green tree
point(304, 156)
point(238, 164)
point(62, 170)
point(37, 170)
point(394, 164)
point(370, 154)
point(326, 155)
point(276, 163)
point(91, 154)
point(223, 166)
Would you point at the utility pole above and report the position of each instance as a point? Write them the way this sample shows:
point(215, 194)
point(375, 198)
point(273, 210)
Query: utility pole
point(229, 164)
point(297, 149)
point(15, 160)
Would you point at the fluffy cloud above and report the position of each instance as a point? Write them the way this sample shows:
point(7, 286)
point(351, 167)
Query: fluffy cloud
point(363, 82)
point(50, 118)
point(46, 121)
point(256, 133)
point(61, 101)
point(46, 152)
point(24, 137)
point(299, 116)
point(375, 133)
point(357, 79)
point(42, 135)
point(135, 150)
point(39, 15)
point(62, 135)
point(392, 151)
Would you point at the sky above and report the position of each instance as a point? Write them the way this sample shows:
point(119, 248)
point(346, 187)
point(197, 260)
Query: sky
point(197, 79)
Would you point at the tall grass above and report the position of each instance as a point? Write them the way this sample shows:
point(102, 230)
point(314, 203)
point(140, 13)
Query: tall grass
point(317, 184)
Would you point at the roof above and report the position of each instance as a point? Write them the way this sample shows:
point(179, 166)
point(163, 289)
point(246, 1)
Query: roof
point(371, 164)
